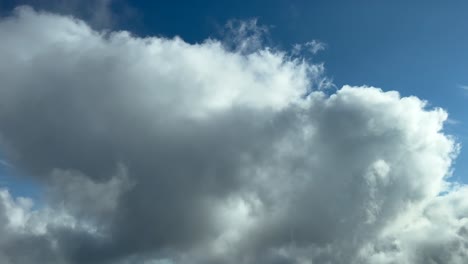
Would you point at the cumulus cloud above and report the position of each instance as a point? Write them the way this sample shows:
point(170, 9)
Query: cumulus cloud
point(153, 150)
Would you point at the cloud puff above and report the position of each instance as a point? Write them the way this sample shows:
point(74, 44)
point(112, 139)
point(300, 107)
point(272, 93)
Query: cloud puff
point(313, 46)
point(153, 150)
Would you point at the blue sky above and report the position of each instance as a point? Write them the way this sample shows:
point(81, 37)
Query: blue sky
point(415, 47)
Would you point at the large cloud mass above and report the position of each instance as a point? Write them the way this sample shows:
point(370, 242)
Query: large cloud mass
point(153, 150)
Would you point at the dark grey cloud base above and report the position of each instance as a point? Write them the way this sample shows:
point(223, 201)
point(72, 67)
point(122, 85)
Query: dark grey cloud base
point(153, 150)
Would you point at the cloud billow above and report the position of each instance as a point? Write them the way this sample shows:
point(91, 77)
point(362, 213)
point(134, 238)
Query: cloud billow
point(153, 150)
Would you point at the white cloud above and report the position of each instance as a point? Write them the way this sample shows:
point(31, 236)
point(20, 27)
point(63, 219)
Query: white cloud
point(313, 46)
point(154, 150)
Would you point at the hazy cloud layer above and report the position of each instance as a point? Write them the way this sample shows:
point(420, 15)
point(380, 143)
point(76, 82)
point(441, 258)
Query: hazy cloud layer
point(153, 150)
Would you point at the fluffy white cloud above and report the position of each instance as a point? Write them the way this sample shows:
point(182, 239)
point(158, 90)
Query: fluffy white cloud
point(153, 150)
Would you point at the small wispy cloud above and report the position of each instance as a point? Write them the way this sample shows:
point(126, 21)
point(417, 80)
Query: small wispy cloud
point(3, 163)
point(451, 121)
point(246, 36)
point(313, 46)
point(463, 87)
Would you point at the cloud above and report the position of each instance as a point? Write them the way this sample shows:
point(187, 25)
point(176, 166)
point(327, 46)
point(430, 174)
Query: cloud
point(4, 163)
point(463, 87)
point(153, 150)
point(245, 36)
point(313, 46)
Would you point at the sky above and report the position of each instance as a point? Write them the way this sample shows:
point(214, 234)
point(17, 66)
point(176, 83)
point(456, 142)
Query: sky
point(233, 132)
